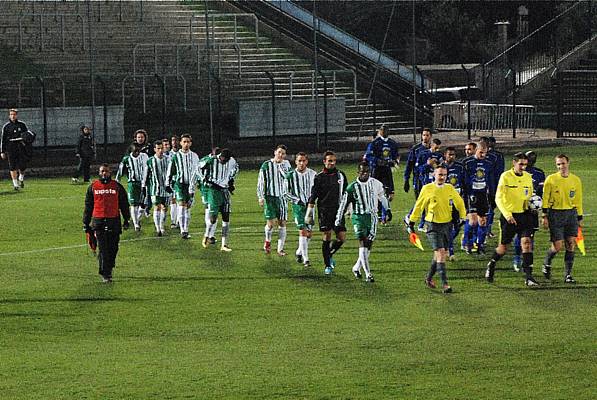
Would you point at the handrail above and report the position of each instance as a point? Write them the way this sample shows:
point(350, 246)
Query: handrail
point(44, 78)
point(164, 76)
point(155, 55)
point(41, 29)
point(530, 35)
point(226, 15)
point(348, 40)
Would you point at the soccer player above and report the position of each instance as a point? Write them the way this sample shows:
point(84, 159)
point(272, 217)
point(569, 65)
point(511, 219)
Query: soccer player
point(427, 160)
point(217, 174)
point(134, 165)
point(328, 188)
point(12, 147)
point(514, 190)
point(171, 149)
point(436, 201)
point(271, 195)
point(105, 201)
point(455, 178)
point(363, 195)
point(181, 169)
point(469, 150)
point(411, 160)
point(479, 180)
point(562, 214)
point(154, 185)
point(300, 182)
point(538, 180)
point(382, 155)
point(212, 155)
point(496, 158)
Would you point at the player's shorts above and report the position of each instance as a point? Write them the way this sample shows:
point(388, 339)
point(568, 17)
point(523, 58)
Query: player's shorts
point(181, 192)
point(384, 175)
point(160, 200)
point(524, 227)
point(327, 220)
point(438, 234)
point(134, 193)
point(299, 211)
point(217, 201)
point(275, 208)
point(17, 159)
point(202, 190)
point(562, 224)
point(478, 203)
point(364, 225)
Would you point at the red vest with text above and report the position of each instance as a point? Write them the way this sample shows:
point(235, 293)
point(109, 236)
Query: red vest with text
point(105, 199)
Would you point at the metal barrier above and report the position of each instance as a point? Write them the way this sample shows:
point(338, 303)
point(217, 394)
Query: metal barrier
point(226, 15)
point(42, 29)
point(575, 98)
point(155, 46)
point(484, 117)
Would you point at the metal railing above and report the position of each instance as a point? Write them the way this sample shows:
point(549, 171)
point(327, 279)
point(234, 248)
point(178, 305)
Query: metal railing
point(235, 17)
point(535, 55)
point(349, 41)
point(42, 28)
point(155, 46)
point(484, 117)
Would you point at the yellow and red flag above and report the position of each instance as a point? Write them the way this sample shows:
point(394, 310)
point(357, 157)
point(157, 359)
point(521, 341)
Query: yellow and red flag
point(414, 239)
point(580, 242)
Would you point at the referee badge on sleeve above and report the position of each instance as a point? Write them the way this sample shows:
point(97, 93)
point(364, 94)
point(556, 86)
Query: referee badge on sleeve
point(572, 193)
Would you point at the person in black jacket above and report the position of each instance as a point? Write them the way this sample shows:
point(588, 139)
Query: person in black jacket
point(328, 188)
point(105, 201)
point(85, 153)
point(13, 148)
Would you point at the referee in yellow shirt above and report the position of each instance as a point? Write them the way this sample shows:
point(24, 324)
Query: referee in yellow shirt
point(514, 190)
point(562, 214)
point(437, 199)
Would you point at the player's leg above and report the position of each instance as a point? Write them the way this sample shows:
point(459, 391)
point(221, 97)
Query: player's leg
point(282, 218)
point(507, 233)
point(134, 195)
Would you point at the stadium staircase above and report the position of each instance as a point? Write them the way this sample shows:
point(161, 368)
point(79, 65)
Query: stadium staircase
point(54, 35)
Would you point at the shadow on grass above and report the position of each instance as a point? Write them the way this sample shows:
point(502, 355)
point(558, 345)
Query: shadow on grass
point(9, 193)
point(337, 283)
point(78, 299)
point(34, 314)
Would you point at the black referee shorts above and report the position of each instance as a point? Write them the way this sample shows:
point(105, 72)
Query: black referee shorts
point(17, 160)
point(524, 227)
point(327, 220)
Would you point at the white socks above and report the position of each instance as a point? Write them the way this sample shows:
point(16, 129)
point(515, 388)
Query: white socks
point(135, 216)
point(364, 260)
point(159, 217)
point(303, 248)
point(184, 219)
point(268, 233)
point(15, 182)
point(174, 213)
point(225, 230)
point(281, 238)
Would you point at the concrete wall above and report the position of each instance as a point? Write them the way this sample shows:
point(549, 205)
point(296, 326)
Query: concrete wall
point(64, 122)
point(293, 117)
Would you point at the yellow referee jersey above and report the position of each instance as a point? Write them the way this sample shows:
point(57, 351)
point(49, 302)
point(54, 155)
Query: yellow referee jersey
point(437, 202)
point(513, 192)
point(561, 193)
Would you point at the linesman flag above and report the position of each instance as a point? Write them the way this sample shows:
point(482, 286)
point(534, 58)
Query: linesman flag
point(414, 239)
point(580, 242)
point(91, 240)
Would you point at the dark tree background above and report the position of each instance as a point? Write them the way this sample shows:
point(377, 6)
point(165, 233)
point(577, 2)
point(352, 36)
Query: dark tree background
point(448, 31)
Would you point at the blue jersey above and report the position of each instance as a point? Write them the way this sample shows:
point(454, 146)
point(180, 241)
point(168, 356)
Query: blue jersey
point(538, 180)
point(381, 152)
point(410, 163)
point(478, 176)
point(497, 161)
point(456, 177)
point(425, 171)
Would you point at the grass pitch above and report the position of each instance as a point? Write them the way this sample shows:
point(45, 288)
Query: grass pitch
point(184, 322)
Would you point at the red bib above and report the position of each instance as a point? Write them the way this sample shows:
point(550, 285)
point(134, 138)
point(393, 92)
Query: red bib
point(105, 199)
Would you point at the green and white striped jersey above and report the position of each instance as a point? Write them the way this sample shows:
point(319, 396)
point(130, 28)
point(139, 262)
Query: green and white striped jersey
point(133, 167)
point(272, 179)
point(155, 178)
point(299, 185)
point(364, 197)
point(212, 171)
point(183, 167)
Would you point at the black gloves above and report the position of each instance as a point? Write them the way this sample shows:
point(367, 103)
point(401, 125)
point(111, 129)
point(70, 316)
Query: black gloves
point(406, 186)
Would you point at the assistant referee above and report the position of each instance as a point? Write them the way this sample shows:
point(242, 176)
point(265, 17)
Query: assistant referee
point(514, 190)
point(562, 214)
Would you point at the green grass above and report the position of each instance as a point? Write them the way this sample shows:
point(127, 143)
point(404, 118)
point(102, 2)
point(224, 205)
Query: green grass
point(184, 322)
